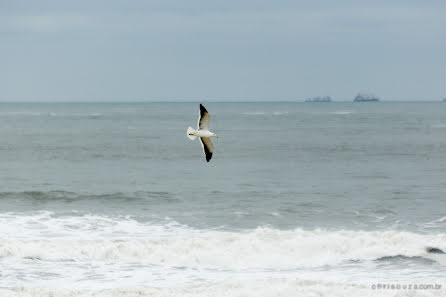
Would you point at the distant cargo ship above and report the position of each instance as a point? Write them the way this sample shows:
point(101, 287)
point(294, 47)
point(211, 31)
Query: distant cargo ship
point(319, 99)
point(365, 98)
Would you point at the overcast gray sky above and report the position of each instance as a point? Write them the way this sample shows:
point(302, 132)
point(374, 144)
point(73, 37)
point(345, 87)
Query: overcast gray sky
point(56, 50)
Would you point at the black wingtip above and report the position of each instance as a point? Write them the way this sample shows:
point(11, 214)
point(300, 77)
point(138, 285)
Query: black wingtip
point(202, 109)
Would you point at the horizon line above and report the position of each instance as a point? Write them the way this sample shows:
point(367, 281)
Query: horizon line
point(205, 100)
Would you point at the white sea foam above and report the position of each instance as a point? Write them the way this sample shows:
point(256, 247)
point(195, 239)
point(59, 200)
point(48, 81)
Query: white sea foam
point(260, 288)
point(99, 252)
point(102, 238)
point(45, 225)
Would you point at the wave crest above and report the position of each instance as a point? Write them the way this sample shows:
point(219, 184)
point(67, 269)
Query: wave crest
point(260, 248)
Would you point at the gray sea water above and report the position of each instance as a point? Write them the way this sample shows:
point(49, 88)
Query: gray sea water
point(114, 196)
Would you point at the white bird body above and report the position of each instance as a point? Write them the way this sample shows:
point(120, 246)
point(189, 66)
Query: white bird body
point(203, 132)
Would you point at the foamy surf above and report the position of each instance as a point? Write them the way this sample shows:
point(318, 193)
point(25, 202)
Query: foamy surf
point(91, 237)
point(261, 288)
point(47, 225)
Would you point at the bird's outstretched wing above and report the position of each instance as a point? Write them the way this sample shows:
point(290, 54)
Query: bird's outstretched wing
point(203, 119)
point(208, 147)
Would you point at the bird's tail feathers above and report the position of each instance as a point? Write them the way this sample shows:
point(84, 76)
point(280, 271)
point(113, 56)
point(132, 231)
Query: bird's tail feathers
point(190, 131)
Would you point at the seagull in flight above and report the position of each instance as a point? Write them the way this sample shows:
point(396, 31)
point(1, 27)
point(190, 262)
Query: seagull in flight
point(203, 132)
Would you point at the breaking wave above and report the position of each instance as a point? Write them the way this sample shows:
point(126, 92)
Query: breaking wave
point(46, 225)
point(90, 237)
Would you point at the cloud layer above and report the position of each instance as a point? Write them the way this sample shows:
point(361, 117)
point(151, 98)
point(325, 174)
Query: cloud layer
point(250, 50)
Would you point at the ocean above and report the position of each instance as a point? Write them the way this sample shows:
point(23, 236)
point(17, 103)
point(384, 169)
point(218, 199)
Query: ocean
point(299, 199)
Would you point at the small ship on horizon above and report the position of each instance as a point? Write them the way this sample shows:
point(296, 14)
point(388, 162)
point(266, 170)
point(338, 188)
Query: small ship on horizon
point(365, 98)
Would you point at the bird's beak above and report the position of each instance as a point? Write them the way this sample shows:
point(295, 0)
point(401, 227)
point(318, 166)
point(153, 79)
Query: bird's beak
point(216, 136)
